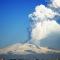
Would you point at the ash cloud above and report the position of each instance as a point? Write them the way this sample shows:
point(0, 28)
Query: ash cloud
point(55, 3)
point(44, 22)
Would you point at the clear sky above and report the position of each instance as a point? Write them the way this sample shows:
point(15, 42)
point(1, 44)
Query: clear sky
point(14, 20)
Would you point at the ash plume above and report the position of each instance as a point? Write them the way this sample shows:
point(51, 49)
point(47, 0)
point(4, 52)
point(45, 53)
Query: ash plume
point(43, 22)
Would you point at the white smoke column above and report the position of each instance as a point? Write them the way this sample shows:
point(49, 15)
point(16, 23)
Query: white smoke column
point(43, 21)
point(55, 3)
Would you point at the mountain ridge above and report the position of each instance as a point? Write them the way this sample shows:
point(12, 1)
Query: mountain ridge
point(26, 49)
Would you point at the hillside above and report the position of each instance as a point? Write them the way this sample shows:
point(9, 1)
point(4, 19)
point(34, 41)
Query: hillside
point(26, 49)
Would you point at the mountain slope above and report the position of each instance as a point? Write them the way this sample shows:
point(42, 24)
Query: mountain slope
point(25, 49)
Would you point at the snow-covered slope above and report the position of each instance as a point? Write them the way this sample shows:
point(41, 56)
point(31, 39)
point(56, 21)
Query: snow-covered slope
point(25, 49)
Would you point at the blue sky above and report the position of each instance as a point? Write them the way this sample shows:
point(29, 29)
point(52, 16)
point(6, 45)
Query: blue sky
point(14, 20)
